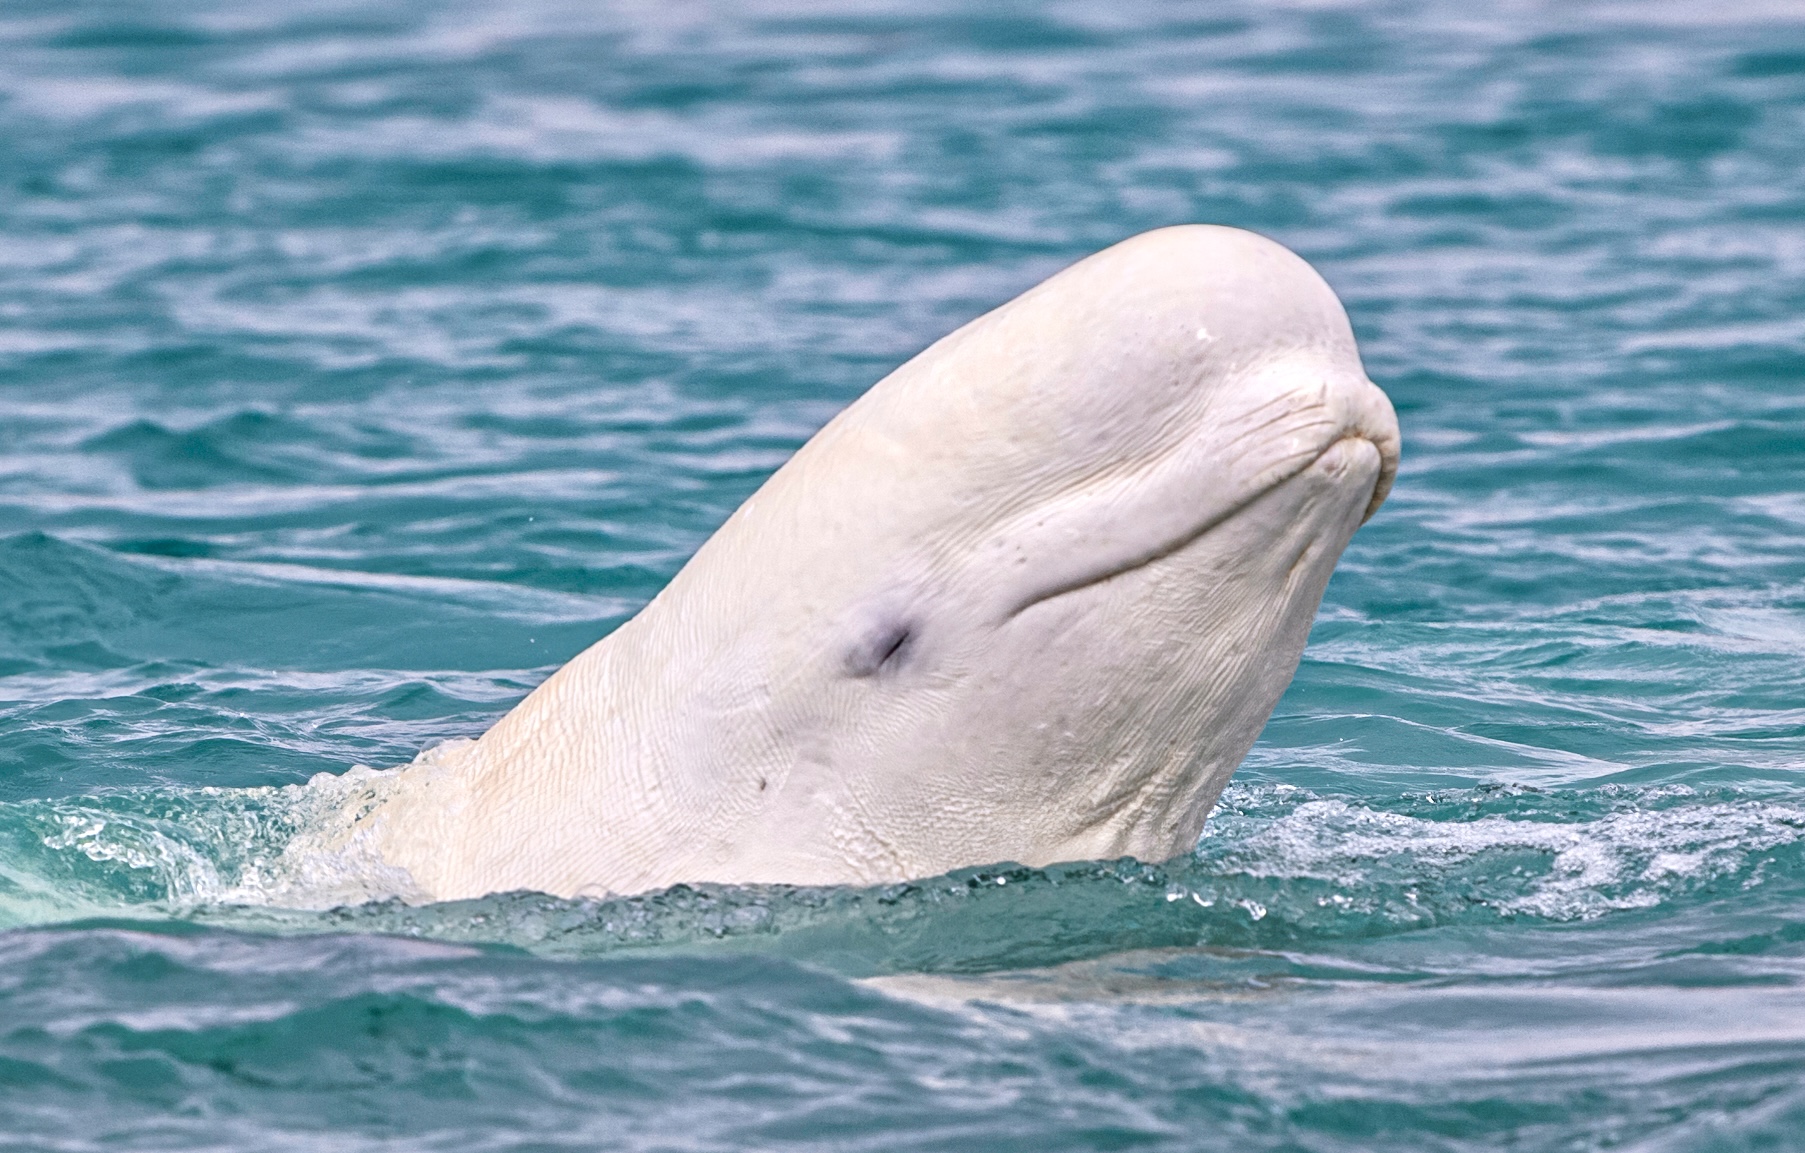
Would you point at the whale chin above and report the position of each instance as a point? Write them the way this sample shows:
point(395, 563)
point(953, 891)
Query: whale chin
point(1184, 658)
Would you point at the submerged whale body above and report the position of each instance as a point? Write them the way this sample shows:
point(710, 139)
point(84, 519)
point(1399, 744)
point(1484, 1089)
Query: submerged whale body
point(1032, 598)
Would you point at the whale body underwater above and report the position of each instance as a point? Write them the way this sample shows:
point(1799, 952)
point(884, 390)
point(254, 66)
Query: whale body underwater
point(1030, 598)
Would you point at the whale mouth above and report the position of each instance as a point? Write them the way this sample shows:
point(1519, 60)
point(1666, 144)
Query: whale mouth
point(1381, 485)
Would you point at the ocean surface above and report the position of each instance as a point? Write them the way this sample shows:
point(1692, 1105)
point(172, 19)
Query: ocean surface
point(359, 364)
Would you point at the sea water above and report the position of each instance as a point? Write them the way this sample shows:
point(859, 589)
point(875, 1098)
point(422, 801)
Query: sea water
point(359, 364)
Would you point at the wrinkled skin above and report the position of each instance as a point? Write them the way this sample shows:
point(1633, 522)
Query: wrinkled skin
point(1031, 598)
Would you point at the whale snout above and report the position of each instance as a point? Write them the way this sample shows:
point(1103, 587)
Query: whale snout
point(1278, 419)
point(1372, 419)
point(1354, 465)
point(1289, 416)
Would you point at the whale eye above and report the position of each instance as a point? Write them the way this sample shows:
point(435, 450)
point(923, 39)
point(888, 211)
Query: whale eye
point(881, 650)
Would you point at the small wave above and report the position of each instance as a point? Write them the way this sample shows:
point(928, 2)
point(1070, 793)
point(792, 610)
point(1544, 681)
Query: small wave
point(1554, 855)
point(170, 851)
point(1277, 867)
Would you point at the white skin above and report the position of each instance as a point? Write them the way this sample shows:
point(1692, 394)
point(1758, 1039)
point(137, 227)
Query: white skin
point(1030, 598)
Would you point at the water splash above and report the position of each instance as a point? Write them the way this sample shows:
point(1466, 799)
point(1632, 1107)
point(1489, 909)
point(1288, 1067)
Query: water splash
point(1278, 867)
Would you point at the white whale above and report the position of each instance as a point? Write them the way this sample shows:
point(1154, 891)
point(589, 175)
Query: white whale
point(1032, 598)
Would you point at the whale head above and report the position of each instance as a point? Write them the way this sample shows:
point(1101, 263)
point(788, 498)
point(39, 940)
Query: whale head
point(1032, 598)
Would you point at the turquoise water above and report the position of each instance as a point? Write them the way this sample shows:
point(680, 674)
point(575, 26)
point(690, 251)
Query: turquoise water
point(361, 364)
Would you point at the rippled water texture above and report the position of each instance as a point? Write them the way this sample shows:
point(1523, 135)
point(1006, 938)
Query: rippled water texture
point(360, 365)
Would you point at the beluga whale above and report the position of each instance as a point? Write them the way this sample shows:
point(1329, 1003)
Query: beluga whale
point(1030, 598)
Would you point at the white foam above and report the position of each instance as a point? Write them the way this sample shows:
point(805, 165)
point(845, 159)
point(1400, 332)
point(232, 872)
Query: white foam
point(1634, 855)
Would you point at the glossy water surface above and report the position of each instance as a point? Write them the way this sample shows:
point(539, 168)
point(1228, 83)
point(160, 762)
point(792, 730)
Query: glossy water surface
point(360, 364)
